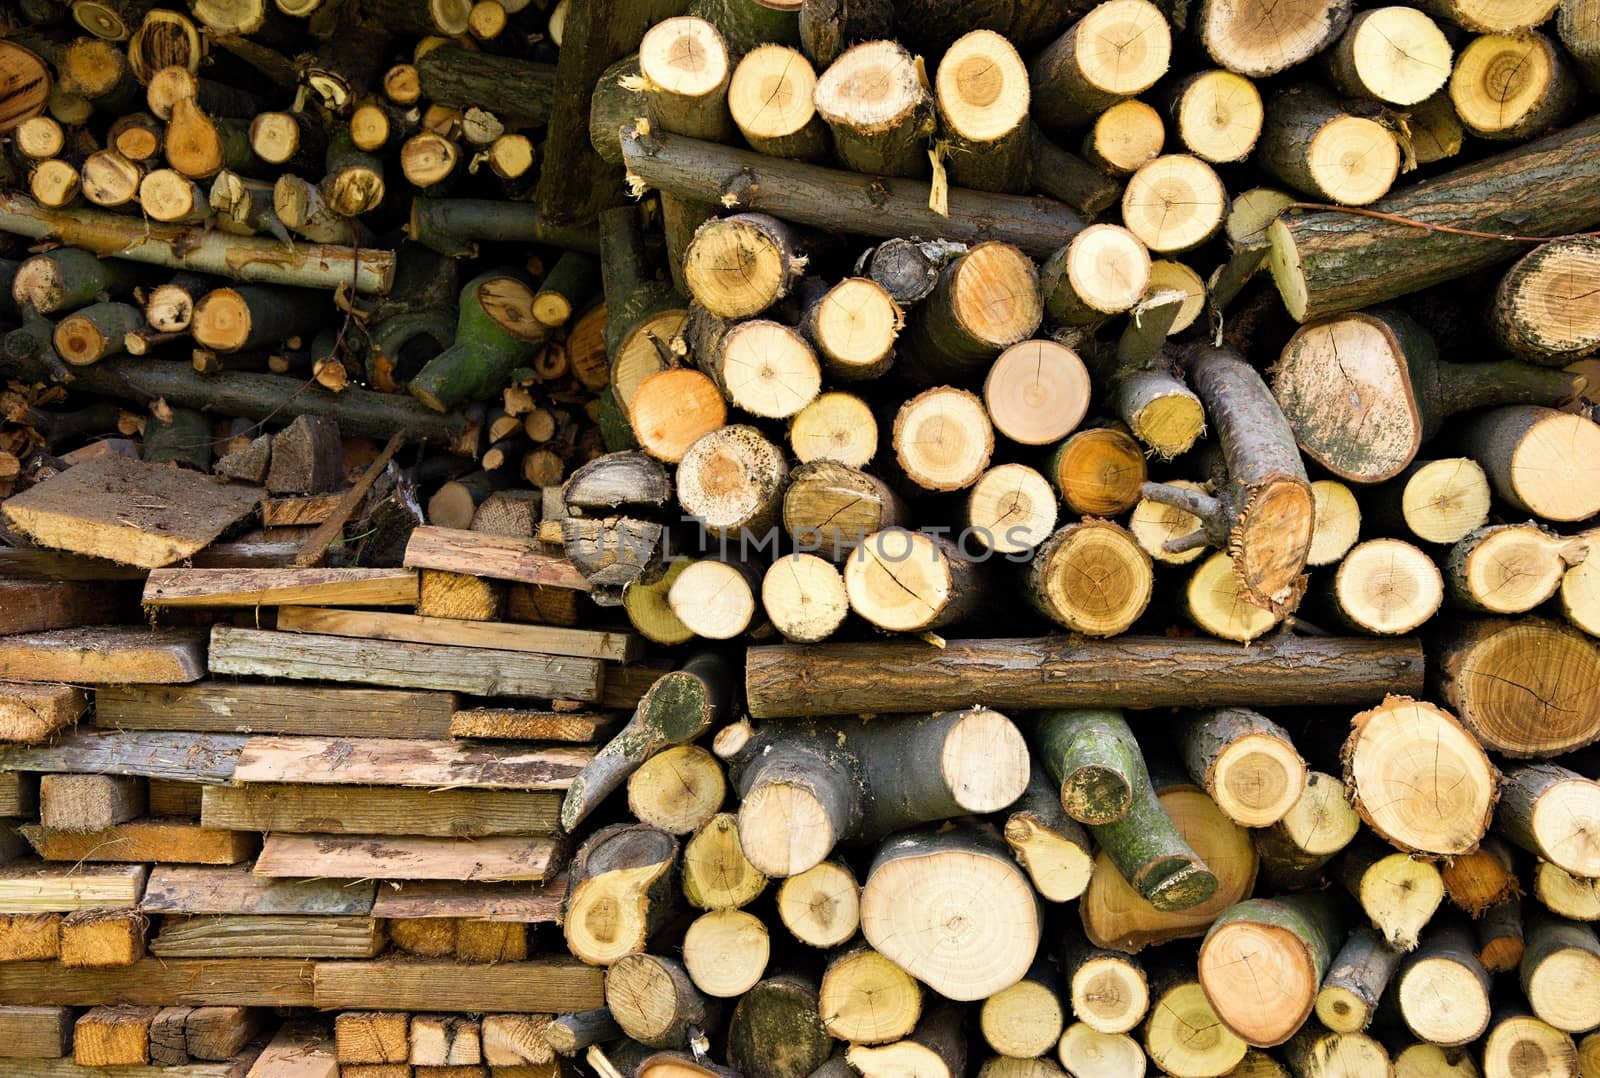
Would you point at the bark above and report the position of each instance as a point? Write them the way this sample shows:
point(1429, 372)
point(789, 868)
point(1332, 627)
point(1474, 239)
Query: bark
point(1094, 760)
point(495, 334)
point(452, 226)
point(828, 27)
point(777, 1030)
point(1326, 263)
point(1152, 854)
point(1263, 515)
point(184, 439)
point(570, 1034)
point(1355, 982)
point(744, 24)
point(1068, 178)
point(1133, 672)
point(836, 200)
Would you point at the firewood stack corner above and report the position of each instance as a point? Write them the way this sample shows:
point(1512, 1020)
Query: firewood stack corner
point(786, 538)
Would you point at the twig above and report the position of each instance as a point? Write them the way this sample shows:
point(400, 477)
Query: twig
point(316, 544)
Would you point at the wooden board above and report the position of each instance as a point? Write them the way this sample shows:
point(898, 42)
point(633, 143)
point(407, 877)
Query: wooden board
point(19, 794)
point(380, 810)
point(515, 902)
point(538, 986)
point(168, 798)
point(55, 565)
point(408, 858)
point(542, 639)
point(66, 1068)
point(482, 671)
point(404, 762)
point(30, 606)
point(30, 887)
point(129, 511)
point(184, 889)
point(298, 512)
point(513, 724)
point(163, 982)
point(116, 654)
point(33, 711)
point(280, 587)
point(172, 841)
point(297, 1051)
point(208, 758)
point(268, 937)
point(242, 707)
point(35, 1032)
point(500, 557)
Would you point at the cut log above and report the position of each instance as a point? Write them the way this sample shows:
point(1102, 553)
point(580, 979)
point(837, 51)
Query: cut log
point(835, 426)
point(1094, 760)
point(1321, 149)
point(1510, 568)
point(1398, 894)
point(68, 278)
point(1316, 1052)
point(1558, 970)
point(496, 333)
point(730, 480)
point(239, 708)
point(725, 952)
point(1091, 577)
point(1174, 203)
point(176, 841)
point(716, 873)
point(1442, 989)
point(804, 597)
point(762, 367)
point(677, 790)
point(906, 581)
point(1183, 1035)
point(955, 955)
point(1295, 936)
point(1538, 459)
point(1521, 686)
point(1246, 762)
point(1551, 811)
point(842, 201)
point(1499, 937)
point(1217, 114)
point(1108, 990)
point(1482, 879)
point(1307, 250)
point(831, 508)
point(936, 1048)
point(1541, 312)
point(853, 326)
point(770, 99)
point(1384, 776)
point(776, 1030)
point(1114, 52)
point(543, 639)
point(1049, 844)
point(1398, 394)
point(620, 892)
point(1395, 54)
point(867, 999)
point(1515, 1036)
point(1387, 586)
point(981, 91)
point(94, 332)
point(1355, 982)
point(985, 301)
point(1257, 39)
point(1026, 1019)
point(874, 99)
point(1511, 87)
point(1443, 501)
point(1104, 270)
point(943, 439)
point(1037, 392)
point(1092, 1054)
point(1309, 835)
point(889, 678)
point(652, 999)
point(685, 67)
point(1338, 522)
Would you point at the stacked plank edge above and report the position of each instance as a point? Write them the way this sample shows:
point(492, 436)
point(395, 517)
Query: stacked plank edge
point(788, 538)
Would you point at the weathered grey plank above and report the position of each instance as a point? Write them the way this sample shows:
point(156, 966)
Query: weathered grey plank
point(208, 758)
point(377, 761)
point(246, 708)
point(233, 889)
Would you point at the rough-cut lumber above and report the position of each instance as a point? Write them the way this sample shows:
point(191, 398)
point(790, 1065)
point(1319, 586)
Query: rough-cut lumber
point(238, 707)
point(32, 712)
point(36, 888)
point(28, 606)
point(219, 1032)
point(246, 258)
point(116, 654)
point(131, 512)
point(112, 1036)
point(89, 802)
point(483, 671)
point(19, 793)
point(511, 902)
point(542, 985)
point(144, 840)
point(35, 1032)
point(543, 639)
point(407, 858)
point(102, 938)
point(379, 810)
point(405, 762)
point(1325, 263)
point(154, 755)
point(281, 587)
point(500, 557)
point(276, 936)
point(839, 201)
point(28, 937)
point(243, 982)
point(519, 724)
point(1127, 671)
point(297, 1051)
point(372, 1037)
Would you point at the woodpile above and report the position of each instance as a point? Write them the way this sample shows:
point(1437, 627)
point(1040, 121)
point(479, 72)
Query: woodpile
point(777, 538)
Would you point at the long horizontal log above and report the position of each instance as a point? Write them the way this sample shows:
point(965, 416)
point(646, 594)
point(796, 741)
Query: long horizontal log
point(838, 201)
point(244, 258)
point(1330, 262)
point(1056, 671)
point(360, 412)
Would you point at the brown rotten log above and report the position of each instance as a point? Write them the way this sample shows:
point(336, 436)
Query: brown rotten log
point(1263, 515)
point(835, 200)
point(1328, 262)
point(1133, 672)
point(1367, 423)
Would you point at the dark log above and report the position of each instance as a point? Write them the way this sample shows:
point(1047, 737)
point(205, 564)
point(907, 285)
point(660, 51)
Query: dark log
point(451, 226)
point(504, 85)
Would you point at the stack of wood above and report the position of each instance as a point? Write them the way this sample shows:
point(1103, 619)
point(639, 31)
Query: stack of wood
point(952, 556)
